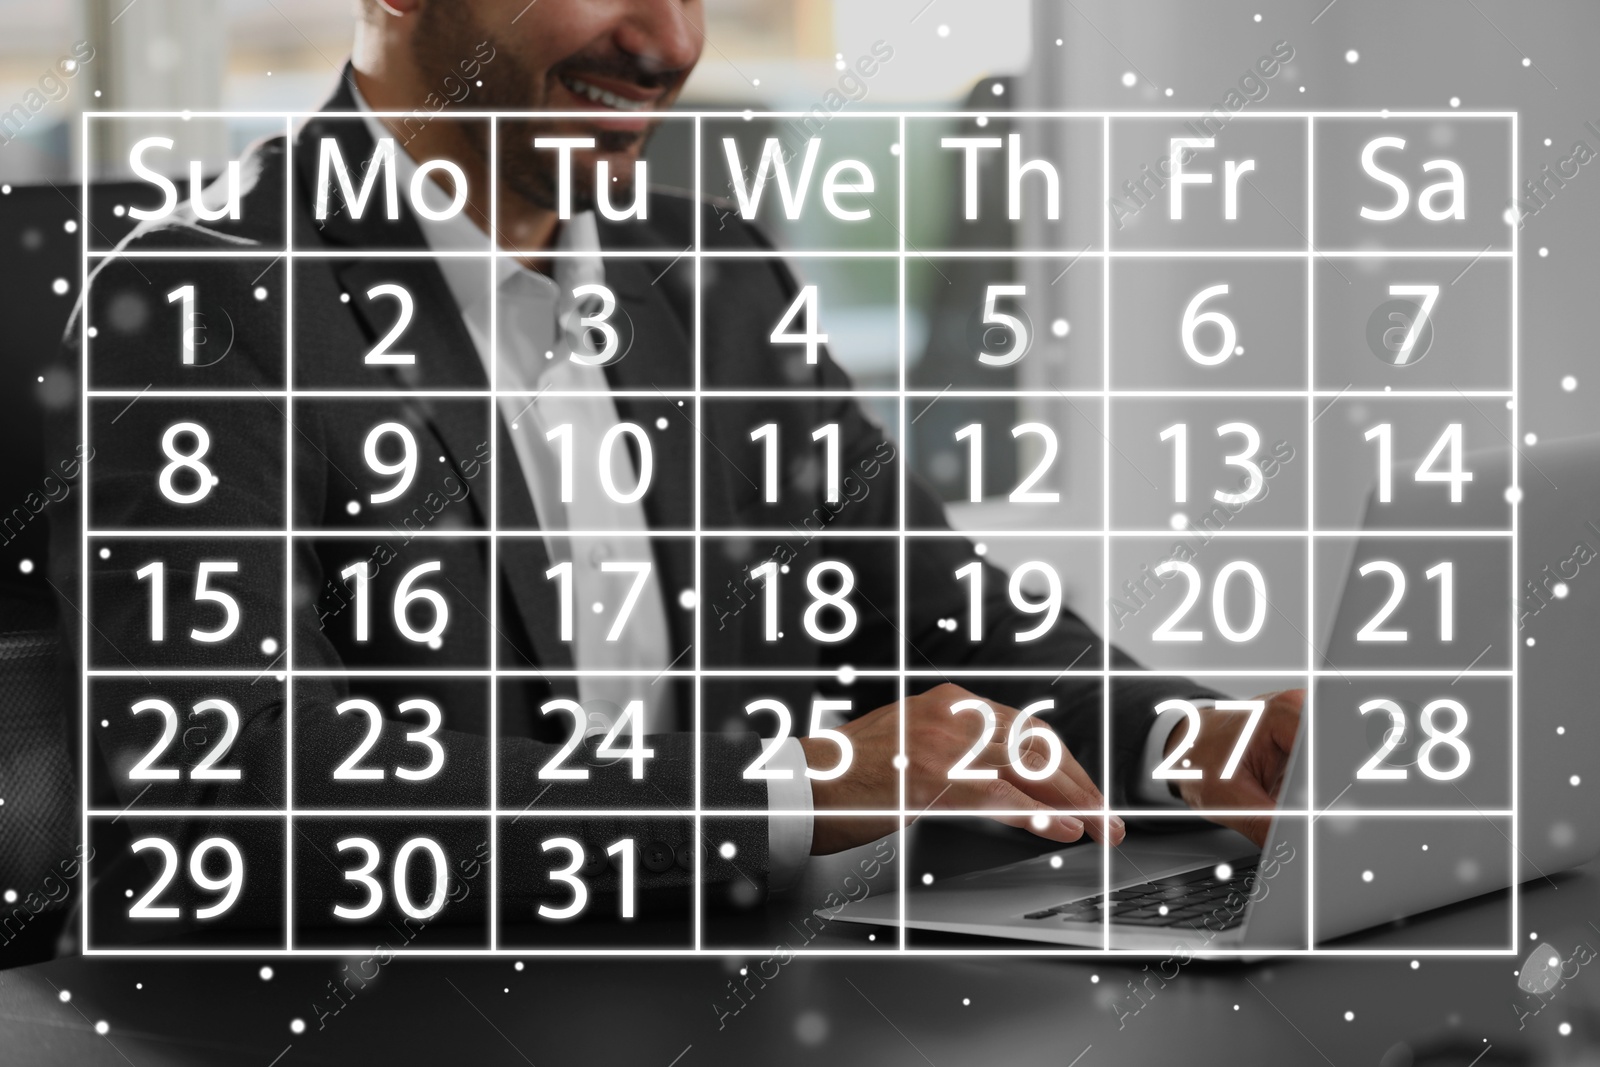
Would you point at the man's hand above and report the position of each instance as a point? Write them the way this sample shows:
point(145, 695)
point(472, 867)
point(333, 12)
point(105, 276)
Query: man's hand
point(1258, 779)
point(936, 741)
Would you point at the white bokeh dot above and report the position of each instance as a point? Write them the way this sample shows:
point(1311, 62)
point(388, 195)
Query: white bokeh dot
point(59, 287)
point(727, 850)
point(297, 1026)
point(1129, 79)
point(1366, 876)
point(1352, 56)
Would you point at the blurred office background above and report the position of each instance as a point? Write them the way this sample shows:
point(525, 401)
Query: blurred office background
point(60, 58)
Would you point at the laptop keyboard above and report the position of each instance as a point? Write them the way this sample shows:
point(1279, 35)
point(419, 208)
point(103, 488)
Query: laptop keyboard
point(1181, 900)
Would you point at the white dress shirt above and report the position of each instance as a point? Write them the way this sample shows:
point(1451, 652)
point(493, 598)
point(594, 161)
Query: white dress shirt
point(537, 339)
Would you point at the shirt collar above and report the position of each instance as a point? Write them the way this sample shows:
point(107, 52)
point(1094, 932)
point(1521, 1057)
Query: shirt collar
point(457, 233)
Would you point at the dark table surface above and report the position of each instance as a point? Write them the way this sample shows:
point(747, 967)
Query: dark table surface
point(939, 1011)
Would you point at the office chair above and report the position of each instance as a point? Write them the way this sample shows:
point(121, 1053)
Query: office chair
point(40, 233)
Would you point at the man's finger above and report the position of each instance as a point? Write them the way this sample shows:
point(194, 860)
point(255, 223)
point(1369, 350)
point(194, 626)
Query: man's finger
point(1070, 780)
point(1283, 717)
point(1058, 790)
point(1001, 794)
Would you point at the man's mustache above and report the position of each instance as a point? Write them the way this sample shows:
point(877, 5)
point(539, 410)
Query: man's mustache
point(634, 69)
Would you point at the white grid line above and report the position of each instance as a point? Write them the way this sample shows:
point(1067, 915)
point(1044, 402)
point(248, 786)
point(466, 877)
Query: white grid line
point(735, 533)
point(1105, 529)
point(1308, 712)
point(758, 951)
point(1516, 493)
point(885, 254)
point(741, 117)
point(905, 621)
point(288, 553)
point(817, 673)
point(494, 540)
point(673, 813)
point(800, 394)
point(699, 585)
point(84, 713)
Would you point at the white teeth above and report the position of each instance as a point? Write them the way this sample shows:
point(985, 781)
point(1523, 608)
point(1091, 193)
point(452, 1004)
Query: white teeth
point(605, 97)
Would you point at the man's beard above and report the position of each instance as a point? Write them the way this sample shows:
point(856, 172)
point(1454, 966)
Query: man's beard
point(447, 34)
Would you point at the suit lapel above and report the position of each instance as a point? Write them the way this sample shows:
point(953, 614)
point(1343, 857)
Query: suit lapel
point(447, 360)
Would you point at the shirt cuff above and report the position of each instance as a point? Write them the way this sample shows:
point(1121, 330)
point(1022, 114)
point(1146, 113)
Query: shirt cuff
point(1151, 790)
point(789, 816)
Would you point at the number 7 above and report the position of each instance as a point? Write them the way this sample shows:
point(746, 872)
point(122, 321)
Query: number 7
point(1429, 294)
point(641, 574)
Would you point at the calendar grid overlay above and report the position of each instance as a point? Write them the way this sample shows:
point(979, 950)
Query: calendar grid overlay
point(294, 815)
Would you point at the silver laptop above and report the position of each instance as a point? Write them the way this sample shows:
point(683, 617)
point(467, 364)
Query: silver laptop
point(1208, 889)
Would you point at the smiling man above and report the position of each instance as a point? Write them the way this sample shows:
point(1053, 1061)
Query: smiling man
point(580, 684)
